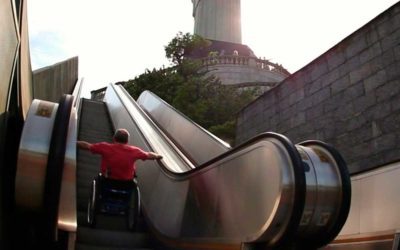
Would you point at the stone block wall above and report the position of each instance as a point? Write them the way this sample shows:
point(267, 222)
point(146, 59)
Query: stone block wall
point(348, 97)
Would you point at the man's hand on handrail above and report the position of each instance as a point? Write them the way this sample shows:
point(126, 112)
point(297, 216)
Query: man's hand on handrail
point(83, 145)
point(154, 156)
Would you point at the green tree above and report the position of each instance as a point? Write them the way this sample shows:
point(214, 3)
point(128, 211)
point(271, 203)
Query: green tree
point(164, 82)
point(187, 86)
point(182, 46)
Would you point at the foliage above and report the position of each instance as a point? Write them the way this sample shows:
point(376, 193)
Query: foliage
point(191, 90)
point(163, 82)
point(182, 46)
point(225, 131)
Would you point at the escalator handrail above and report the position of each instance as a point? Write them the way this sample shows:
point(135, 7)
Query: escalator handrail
point(212, 141)
point(283, 139)
point(332, 231)
point(215, 138)
point(55, 166)
point(299, 197)
point(76, 93)
point(185, 161)
point(291, 231)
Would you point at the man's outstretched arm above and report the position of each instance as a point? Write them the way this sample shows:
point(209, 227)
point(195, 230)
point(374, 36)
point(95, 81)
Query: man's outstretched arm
point(154, 156)
point(83, 145)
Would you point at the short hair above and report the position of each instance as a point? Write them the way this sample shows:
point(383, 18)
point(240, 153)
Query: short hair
point(121, 136)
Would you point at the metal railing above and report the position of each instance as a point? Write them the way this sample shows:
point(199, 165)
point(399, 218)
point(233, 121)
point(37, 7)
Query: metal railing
point(244, 61)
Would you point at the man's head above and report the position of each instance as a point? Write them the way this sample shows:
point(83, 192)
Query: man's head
point(121, 136)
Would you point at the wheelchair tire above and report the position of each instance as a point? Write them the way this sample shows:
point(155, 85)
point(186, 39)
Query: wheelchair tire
point(132, 214)
point(92, 203)
point(131, 220)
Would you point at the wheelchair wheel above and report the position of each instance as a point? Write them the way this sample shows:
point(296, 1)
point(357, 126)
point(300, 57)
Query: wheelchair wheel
point(91, 213)
point(133, 209)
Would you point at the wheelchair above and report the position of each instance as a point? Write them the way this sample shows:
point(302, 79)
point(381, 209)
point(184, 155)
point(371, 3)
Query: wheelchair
point(113, 197)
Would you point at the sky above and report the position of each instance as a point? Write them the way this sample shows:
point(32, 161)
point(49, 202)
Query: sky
point(117, 40)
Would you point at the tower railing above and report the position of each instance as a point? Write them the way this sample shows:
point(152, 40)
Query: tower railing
point(250, 61)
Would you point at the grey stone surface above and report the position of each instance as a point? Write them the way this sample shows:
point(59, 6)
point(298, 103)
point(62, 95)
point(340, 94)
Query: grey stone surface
point(348, 97)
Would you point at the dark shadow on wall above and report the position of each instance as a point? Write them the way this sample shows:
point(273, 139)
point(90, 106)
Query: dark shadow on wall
point(11, 127)
point(11, 124)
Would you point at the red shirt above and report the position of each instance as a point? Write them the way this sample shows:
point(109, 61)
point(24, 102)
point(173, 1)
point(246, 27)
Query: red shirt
point(118, 160)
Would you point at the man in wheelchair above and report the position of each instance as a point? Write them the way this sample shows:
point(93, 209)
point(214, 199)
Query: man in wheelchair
point(114, 190)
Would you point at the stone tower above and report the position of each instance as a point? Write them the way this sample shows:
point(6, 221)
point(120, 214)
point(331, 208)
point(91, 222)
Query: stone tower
point(232, 62)
point(218, 20)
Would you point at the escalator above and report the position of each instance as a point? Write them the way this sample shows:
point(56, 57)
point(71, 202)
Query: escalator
point(305, 201)
point(327, 183)
point(110, 232)
point(264, 194)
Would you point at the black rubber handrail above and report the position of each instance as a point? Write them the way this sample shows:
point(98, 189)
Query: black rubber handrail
point(298, 169)
point(152, 123)
point(55, 166)
point(171, 137)
point(185, 116)
point(288, 144)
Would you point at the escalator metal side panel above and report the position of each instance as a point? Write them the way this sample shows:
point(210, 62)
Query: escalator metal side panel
point(32, 155)
point(189, 136)
point(245, 197)
point(34, 163)
point(125, 113)
point(248, 195)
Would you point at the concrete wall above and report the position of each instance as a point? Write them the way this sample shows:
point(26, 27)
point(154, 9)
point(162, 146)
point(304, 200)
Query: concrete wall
point(348, 97)
point(14, 73)
point(51, 82)
point(9, 44)
point(374, 208)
